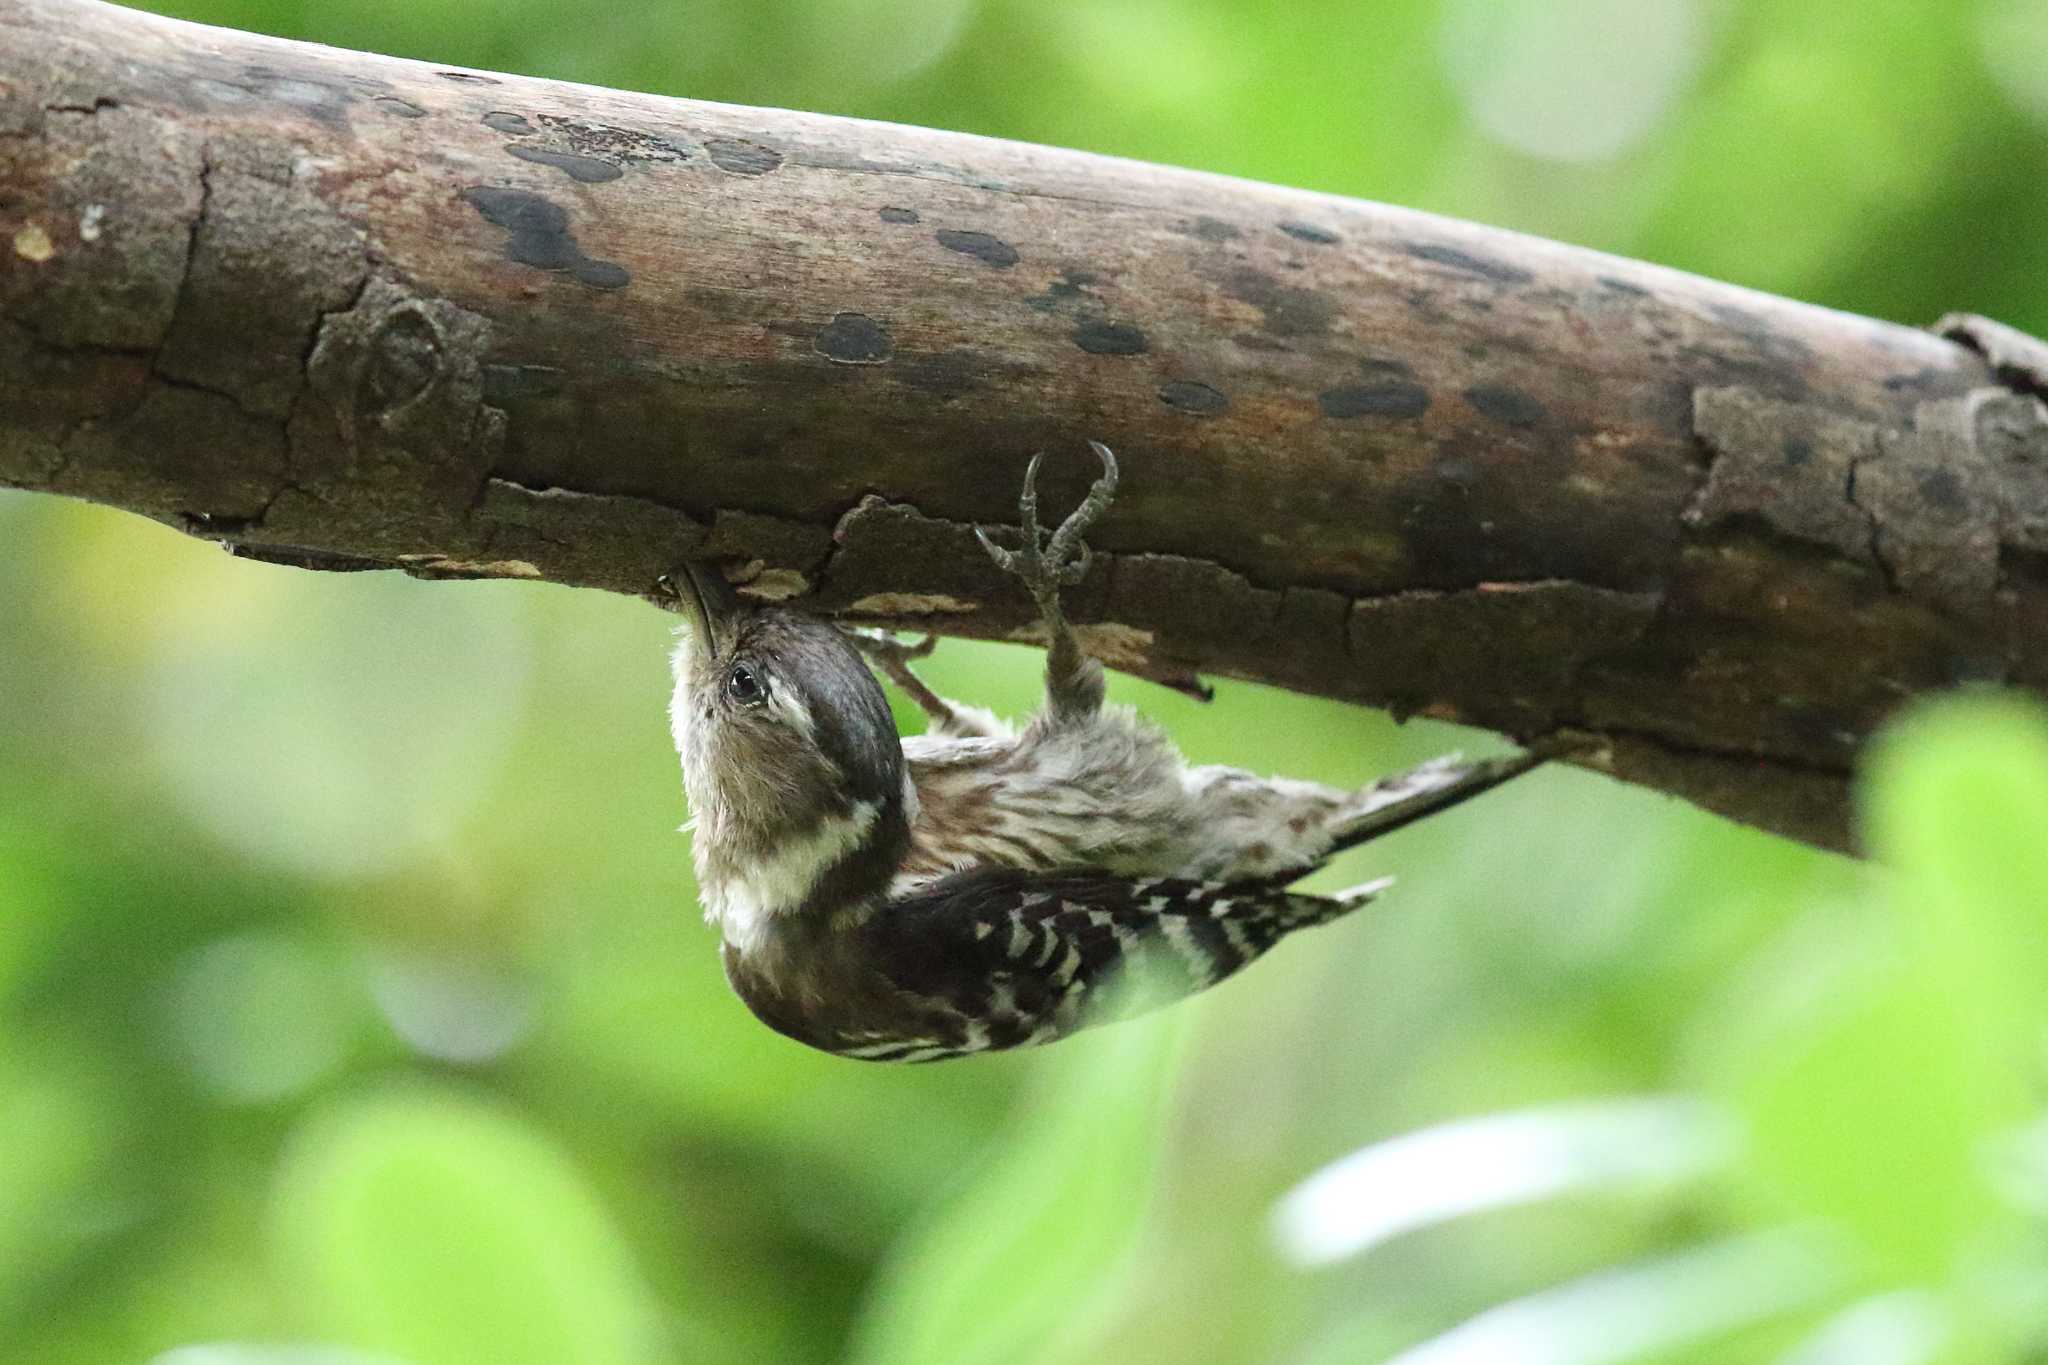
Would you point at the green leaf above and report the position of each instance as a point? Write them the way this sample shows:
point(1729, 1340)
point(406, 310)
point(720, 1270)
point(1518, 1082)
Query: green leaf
point(1872, 1105)
point(445, 1232)
point(1038, 1233)
point(1957, 807)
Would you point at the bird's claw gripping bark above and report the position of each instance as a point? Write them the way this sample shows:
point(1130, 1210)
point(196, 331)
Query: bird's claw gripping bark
point(1046, 563)
point(1073, 681)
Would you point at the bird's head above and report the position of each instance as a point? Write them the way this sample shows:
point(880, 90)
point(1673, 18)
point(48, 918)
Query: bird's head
point(791, 759)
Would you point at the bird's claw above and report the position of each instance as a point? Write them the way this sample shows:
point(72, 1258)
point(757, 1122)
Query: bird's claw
point(1047, 563)
point(1005, 559)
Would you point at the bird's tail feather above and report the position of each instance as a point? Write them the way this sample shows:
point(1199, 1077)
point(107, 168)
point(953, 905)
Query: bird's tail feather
point(1437, 785)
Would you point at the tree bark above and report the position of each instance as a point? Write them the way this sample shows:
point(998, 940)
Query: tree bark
point(346, 310)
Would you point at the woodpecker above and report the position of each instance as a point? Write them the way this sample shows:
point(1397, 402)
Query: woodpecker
point(980, 886)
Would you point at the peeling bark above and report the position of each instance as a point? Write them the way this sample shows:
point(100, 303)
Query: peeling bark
point(345, 311)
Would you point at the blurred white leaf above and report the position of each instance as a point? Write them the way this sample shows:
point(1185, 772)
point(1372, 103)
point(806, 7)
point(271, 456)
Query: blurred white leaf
point(337, 729)
point(448, 1008)
point(1492, 1162)
point(2012, 40)
point(257, 1018)
point(2019, 1166)
point(859, 44)
point(1582, 80)
point(1648, 1307)
point(1893, 1329)
point(243, 1353)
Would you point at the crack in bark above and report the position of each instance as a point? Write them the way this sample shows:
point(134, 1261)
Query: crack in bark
point(181, 295)
point(195, 386)
point(1876, 539)
point(320, 321)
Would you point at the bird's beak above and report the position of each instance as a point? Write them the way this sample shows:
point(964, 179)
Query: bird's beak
point(709, 602)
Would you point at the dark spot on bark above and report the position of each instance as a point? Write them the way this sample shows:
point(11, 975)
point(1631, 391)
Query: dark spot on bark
point(1508, 406)
point(1380, 365)
point(1712, 368)
point(1755, 329)
point(1798, 452)
point(1621, 286)
point(1302, 232)
point(322, 101)
point(741, 157)
point(391, 104)
point(1942, 489)
point(512, 125)
point(537, 234)
point(601, 274)
point(1189, 396)
point(1109, 338)
point(1424, 303)
point(982, 247)
point(507, 383)
point(1211, 230)
point(1498, 271)
point(1284, 310)
point(587, 170)
point(852, 339)
point(612, 143)
point(1071, 285)
point(1394, 398)
point(896, 215)
point(468, 78)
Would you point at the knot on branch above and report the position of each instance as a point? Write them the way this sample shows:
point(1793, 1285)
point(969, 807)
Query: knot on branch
point(401, 380)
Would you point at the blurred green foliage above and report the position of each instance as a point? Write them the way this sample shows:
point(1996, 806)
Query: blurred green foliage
point(354, 1005)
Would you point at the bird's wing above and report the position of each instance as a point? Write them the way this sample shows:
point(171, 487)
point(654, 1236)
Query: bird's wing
point(998, 958)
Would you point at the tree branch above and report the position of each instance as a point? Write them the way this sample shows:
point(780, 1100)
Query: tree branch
point(347, 310)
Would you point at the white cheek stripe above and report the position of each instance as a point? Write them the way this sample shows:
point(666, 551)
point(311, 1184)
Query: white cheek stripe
point(744, 905)
point(792, 709)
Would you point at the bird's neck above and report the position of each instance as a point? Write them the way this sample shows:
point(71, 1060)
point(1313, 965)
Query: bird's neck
point(759, 884)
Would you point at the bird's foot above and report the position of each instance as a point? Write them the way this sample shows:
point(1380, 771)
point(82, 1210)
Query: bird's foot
point(1046, 563)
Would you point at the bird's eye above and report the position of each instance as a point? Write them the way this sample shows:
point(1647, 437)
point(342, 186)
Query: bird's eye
point(743, 685)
